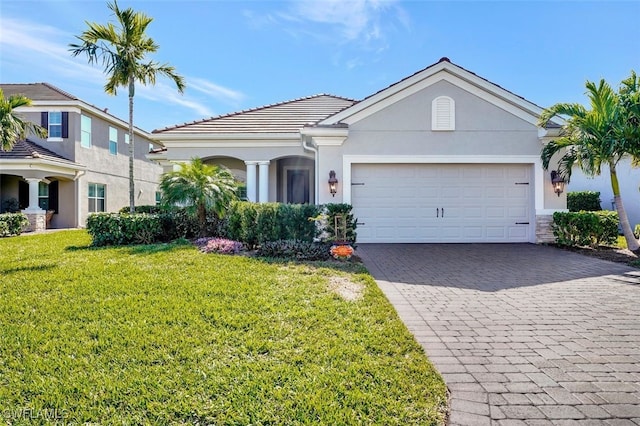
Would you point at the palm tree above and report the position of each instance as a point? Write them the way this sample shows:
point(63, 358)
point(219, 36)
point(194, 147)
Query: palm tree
point(200, 187)
point(592, 138)
point(630, 99)
point(122, 51)
point(12, 127)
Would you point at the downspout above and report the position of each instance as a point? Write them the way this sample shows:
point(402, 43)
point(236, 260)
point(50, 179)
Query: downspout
point(316, 190)
point(79, 174)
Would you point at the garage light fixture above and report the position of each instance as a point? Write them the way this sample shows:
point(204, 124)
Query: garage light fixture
point(333, 183)
point(557, 181)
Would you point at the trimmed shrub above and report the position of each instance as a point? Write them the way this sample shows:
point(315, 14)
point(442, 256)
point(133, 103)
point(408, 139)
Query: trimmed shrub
point(124, 229)
point(585, 228)
point(636, 230)
point(350, 223)
point(12, 224)
point(583, 201)
point(149, 209)
point(294, 250)
point(296, 221)
point(257, 223)
point(218, 245)
point(178, 223)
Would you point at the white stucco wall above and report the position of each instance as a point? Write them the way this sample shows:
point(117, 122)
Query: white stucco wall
point(629, 179)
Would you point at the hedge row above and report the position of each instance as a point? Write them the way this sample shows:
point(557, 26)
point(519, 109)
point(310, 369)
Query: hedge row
point(122, 229)
point(253, 224)
point(583, 201)
point(257, 223)
point(12, 224)
point(585, 228)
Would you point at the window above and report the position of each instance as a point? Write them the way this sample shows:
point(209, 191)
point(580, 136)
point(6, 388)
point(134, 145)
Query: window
point(43, 196)
point(126, 138)
point(158, 198)
point(443, 113)
point(85, 131)
point(113, 141)
point(97, 194)
point(151, 147)
point(55, 125)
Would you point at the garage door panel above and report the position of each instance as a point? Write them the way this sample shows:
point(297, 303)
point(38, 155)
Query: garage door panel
point(495, 212)
point(404, 202)
point(496, 232)
point(473, 233)
point(518, 213)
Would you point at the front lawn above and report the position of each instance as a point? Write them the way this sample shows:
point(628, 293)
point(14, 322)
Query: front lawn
point(164, 334)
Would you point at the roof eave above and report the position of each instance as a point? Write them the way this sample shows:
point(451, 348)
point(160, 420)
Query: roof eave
point(528, 108)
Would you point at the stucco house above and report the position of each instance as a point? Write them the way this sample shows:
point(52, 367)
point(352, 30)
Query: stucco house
point(443, 155)
point(81, 167)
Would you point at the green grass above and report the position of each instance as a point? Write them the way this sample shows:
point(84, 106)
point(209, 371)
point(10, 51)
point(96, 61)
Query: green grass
point(163, 334)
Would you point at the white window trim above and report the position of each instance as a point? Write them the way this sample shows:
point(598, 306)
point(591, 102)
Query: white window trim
point(90, 132)
point(53, 139)
point(110, 140)
point(96, 198)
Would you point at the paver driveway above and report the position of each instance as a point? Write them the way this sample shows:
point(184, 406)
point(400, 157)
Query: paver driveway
point(522, 334)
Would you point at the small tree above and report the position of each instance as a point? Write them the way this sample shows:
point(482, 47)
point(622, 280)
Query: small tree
point(201, 188)
point(12, 127)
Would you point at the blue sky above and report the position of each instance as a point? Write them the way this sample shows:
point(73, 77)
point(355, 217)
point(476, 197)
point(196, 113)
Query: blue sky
point(242, 54)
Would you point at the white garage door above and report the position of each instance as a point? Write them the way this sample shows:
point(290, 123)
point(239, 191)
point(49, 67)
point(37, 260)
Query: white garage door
point(397, 203)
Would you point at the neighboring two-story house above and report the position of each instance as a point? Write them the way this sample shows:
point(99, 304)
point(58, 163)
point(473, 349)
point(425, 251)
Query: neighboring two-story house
point(80, 168)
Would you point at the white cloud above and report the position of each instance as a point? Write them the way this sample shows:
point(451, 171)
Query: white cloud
point(359, 21)
point(360, 24)
point(214, 90)
point(354, 19)
point(28, 43)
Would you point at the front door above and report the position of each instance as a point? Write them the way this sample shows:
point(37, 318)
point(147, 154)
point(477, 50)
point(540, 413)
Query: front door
point(298, 186)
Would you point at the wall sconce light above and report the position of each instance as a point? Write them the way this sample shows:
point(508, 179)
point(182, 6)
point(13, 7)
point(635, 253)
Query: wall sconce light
point(333, 183)
point(558, 182)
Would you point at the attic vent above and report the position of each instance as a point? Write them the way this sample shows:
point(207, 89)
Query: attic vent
point(443, 113)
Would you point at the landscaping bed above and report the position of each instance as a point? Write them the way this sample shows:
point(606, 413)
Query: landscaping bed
point(165, 334)
point(612, 254)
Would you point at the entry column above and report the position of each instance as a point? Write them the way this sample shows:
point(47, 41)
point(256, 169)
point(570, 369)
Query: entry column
point(251, 180)
point(34, 206)
point(263, 196)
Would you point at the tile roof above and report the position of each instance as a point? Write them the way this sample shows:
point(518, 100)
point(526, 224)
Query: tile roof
point(26, 149)
point(37, 92)
point(283, 117)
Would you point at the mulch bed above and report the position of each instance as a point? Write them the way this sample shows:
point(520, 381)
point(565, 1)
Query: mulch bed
point(612, 254)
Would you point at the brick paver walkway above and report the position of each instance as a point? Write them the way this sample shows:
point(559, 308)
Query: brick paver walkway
point(522, 334)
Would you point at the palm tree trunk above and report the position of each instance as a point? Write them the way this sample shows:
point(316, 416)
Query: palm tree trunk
point(202, 218)
point(632, 243)
point(132, 189)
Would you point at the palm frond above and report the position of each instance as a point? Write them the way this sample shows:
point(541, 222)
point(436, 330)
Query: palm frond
point(12, 127)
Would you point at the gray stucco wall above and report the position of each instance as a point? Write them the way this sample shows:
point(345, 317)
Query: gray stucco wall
point(404, 128)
